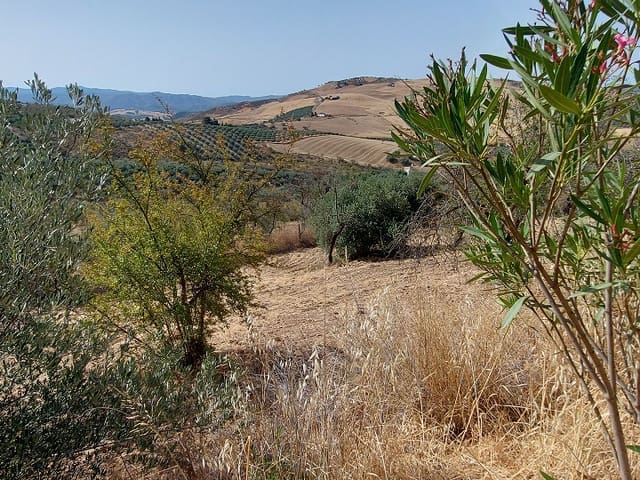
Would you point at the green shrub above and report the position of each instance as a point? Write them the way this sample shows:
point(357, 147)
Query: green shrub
point(58, 401)
point(171, 254)
point(55, 399)
point(362, 215)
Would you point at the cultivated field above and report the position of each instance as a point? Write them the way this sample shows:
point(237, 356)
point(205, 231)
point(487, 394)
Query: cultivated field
point(358, 108)
point(336, 147)
point(368, 108)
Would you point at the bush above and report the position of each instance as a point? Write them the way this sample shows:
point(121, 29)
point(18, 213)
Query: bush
point(55, 400)
point(58, 401)
point(363, 215)
point(170, 254)
point(72, 396)
point(556, 221)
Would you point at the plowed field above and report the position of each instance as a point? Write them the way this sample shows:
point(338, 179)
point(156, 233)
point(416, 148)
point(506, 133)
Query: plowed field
point(336, 147)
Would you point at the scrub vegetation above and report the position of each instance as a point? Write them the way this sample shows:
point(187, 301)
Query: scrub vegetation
point(160, 319)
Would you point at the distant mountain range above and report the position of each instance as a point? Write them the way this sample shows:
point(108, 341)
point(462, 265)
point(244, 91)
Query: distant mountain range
point(145, 102)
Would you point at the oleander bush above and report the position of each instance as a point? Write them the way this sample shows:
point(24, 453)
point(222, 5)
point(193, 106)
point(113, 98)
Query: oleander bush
point(556, 219)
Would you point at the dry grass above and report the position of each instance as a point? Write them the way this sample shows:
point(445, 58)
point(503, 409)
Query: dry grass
point(409, 390)
point(289, 237)
point(367, 108)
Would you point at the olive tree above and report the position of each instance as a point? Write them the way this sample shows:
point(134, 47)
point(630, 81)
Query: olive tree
point(364, 214)
point(54, 409)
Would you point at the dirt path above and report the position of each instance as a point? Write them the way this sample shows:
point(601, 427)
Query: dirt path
point(303, 301)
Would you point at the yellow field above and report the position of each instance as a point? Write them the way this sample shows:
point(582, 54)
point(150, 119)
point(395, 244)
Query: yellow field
point(354, 150)
point(357, 119)
point(360, 111)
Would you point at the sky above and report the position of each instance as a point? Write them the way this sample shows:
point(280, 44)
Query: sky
point(242, 47)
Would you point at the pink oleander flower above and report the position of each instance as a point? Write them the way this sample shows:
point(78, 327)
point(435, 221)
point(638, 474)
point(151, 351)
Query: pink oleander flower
point(551, 49)
point(620, 56)
point(623, 41)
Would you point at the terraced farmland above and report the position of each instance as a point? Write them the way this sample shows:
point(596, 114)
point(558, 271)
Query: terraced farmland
point(362, 151)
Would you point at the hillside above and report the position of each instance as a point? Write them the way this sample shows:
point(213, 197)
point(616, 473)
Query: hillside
point(348, 120)
point(352, 118)
point(360, 107)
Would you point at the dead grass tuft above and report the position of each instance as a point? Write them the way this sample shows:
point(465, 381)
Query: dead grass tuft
point(289, 237)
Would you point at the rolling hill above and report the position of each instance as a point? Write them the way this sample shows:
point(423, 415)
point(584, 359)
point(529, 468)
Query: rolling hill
point(352, 119)
point(361, 107)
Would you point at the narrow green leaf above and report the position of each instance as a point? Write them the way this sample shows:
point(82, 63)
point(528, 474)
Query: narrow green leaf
point(605, 205)
point(476, 232)
point(492, 110)
point(527, 30)
point(559, 101)
point(591, 289)
point(553, 156)
point(632, 252)
point(496, 61)
point(563, 76)
point(513, 311)
point(542, 163)
point(634, 448)
point(546, 476)
point(614, 8)
point(587, 210)
point(525, 53)
point(577, 69)
point(565, 23)
point(426, 181)
point(400, 141)
point(535, 103)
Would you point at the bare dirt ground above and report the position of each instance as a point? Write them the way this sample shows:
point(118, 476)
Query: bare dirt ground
point(305, 302)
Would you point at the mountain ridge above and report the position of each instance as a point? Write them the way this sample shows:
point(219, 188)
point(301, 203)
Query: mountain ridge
point(177, 103)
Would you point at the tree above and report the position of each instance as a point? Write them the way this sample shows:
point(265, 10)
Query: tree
point(45, 182)
point(171, 252)
point(557, 219)
point(56, 402)
point(363, 215)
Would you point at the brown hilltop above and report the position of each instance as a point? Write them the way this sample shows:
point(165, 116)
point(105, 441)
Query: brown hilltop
point(354, 117)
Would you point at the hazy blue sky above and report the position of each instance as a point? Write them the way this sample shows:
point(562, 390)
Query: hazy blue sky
point(245, 47)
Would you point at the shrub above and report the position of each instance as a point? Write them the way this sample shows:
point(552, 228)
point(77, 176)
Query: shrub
point(71, 396)
point(574, 264)
point(59, 404)
point(169, 252)
point(362, 215)
point(55, 397)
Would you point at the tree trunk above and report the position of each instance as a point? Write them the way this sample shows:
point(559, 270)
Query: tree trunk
point(334, 239)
